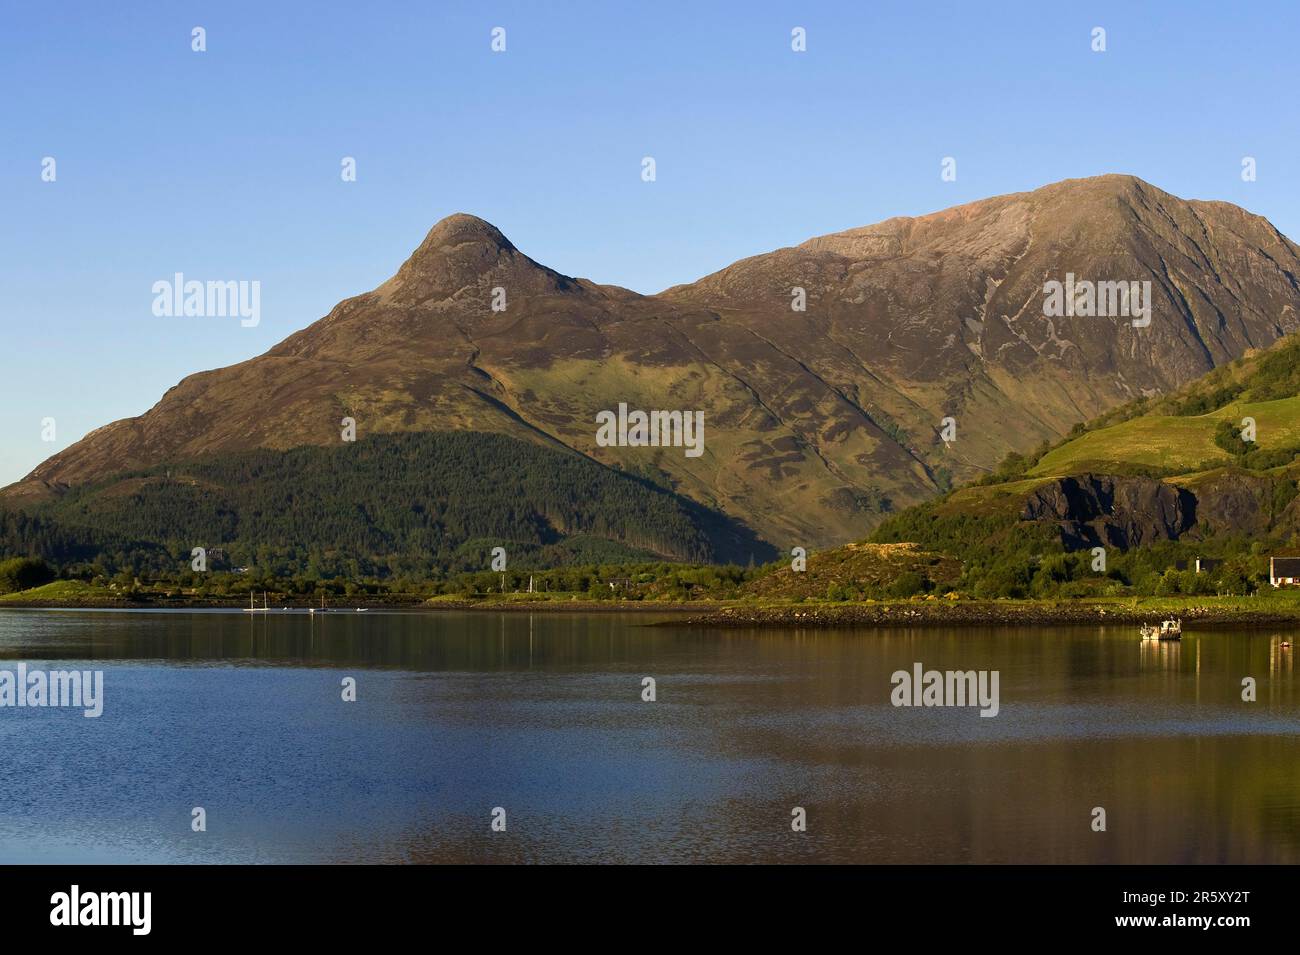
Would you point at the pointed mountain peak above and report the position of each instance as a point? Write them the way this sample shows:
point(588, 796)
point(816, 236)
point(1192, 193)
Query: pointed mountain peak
point(462, 255)
point(461, 227)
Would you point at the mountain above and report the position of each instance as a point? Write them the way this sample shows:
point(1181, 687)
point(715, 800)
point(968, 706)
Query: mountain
point(817, 423)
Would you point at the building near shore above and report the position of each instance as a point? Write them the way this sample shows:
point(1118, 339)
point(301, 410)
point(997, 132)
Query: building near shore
point(1284, 571)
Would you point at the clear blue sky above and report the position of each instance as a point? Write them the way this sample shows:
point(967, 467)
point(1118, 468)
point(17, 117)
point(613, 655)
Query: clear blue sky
point(225, 164)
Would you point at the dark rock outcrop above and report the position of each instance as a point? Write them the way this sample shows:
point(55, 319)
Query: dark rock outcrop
point(1234, 501)
point(1099, 510)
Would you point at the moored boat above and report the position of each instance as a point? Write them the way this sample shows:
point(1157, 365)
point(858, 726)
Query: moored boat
point(1167, 630)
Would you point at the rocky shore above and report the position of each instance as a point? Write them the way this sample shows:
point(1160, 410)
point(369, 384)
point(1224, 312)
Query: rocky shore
point(986, 613)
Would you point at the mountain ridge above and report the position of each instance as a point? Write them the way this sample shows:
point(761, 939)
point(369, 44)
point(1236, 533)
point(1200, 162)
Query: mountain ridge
point(818, 422)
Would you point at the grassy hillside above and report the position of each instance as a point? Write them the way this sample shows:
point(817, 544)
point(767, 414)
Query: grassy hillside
point(1176, 444)
point(1156, 484)
point(1184, 432)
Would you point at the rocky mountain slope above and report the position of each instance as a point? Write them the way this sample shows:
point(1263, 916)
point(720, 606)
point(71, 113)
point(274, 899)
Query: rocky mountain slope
point(817, 422)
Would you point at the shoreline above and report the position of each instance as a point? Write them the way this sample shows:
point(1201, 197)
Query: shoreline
point(985, 614)
point(413, 603)
point(1203, 613)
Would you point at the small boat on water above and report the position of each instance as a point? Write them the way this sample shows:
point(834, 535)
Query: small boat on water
point(253, 609)
point(322, 606)
point(1168, 630)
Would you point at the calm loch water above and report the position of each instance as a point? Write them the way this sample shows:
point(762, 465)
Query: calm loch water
point(542, 715)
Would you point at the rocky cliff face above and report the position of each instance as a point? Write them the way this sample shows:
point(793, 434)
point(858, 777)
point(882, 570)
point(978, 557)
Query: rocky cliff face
point(1093, 510)
point(1098, 510)
point(815, 421)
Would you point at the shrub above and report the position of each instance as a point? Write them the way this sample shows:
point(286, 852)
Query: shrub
point(24, 573)
point(906, 585)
